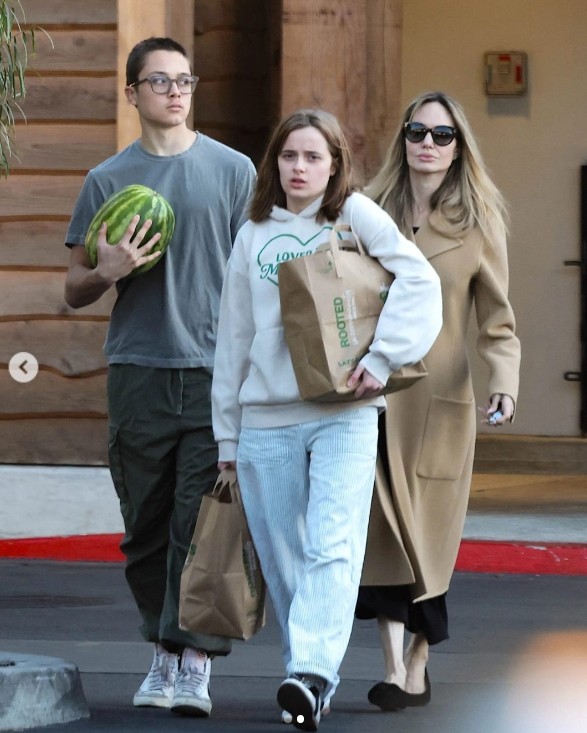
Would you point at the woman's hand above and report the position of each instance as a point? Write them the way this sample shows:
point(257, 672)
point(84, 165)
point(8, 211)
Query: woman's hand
point(499, 410)
point(363, 383)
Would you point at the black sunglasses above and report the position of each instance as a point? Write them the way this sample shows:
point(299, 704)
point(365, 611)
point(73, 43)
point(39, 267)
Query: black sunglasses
point(442, 135)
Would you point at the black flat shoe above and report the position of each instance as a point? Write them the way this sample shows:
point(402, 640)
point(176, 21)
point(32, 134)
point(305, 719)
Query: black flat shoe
point(412, 700)
point(390, 697)
point(387, 696)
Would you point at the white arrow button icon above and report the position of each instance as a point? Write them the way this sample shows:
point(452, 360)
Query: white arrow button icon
point(23, 367)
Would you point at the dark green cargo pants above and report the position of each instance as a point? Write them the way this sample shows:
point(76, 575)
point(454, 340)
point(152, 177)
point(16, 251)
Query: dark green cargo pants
point(163, 460)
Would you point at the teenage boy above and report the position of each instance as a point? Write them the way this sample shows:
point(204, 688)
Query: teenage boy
point(160, 351)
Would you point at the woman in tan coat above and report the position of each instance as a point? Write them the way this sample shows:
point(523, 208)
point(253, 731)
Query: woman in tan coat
point(435, 186)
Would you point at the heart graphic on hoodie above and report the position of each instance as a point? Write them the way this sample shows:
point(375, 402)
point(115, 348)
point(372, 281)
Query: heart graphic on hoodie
point(282, 248)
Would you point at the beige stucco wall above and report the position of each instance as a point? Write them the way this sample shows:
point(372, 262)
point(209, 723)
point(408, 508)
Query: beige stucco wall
point(534, 147)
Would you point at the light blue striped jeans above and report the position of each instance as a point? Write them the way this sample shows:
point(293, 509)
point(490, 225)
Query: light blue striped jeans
point(307, 491)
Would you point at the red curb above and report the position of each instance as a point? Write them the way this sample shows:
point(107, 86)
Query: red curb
point(476, 556)
point(76, 548)
point(543, 558)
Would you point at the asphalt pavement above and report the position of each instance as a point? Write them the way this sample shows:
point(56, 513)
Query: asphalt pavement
point(516, 660)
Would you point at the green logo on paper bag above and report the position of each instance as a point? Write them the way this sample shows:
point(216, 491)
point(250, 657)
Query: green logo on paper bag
point(343, 336)
point(282, 248)
point(345, 312)
point(351, 362)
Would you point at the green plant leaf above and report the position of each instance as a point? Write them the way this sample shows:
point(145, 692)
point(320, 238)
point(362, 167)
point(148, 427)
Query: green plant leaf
point(16, 44)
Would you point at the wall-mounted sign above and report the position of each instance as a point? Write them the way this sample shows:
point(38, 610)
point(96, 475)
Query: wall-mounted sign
point(506, 73)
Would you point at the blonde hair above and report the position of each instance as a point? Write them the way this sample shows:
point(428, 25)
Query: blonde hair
point(467, 197)
point(268, 189)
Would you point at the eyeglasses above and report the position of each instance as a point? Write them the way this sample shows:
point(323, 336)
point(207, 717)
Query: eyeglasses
point(442, 135)
point(161, 83)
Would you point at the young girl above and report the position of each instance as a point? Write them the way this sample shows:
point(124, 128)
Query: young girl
point(306, 470)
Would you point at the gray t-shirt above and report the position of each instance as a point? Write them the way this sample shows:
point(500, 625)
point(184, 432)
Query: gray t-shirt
point(167, 317)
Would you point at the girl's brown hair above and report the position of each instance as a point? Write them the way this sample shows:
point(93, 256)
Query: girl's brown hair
point(268, 190)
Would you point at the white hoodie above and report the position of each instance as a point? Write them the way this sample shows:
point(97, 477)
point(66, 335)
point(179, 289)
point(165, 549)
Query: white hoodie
point(254, 383)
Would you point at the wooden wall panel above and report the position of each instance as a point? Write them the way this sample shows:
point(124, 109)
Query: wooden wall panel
point(41, 294)
point(324, 63)
point(79, 51)
point(248, 15)
point(345, 56)
point(29, 244)
point(234, 57)
point(227, 100)
point(222, 52)
point(384, 63)
point(58, 147)
point(59, 441)
point(50, 395)
point(70, 12)
point(71, 111)
point(71, 98)
point(71, 348)
point(179, 22)
point(32, 195)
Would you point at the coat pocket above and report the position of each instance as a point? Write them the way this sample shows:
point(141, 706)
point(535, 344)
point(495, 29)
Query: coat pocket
point(447, 438)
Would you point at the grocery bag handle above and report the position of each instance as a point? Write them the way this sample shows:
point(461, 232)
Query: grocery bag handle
point(336, 241)
point(224, 489)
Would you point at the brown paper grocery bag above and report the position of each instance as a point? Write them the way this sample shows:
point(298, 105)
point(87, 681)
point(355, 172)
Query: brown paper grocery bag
point(222, 589)
point(330, 304)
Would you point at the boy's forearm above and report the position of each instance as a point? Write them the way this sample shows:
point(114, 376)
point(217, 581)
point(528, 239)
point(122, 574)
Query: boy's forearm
point(84, 286)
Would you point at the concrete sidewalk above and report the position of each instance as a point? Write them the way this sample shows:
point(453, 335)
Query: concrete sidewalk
point(528, 508)
point(52, 501)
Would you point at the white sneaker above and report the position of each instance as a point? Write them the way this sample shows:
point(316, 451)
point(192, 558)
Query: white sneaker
point(192, 685)
point(157, 688)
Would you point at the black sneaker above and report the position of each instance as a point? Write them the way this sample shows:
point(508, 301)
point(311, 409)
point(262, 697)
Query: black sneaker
point(301, 696)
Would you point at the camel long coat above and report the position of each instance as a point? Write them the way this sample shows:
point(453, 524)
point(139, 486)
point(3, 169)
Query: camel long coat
point(416, 523)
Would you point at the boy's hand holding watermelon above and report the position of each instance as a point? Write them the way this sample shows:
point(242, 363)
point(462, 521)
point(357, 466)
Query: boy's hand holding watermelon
point(116, 260)
point(116, 240)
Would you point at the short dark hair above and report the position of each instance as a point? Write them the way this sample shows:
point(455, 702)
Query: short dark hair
point(137, 56)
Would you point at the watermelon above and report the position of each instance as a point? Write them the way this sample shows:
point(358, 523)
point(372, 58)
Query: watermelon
point(118, 210)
